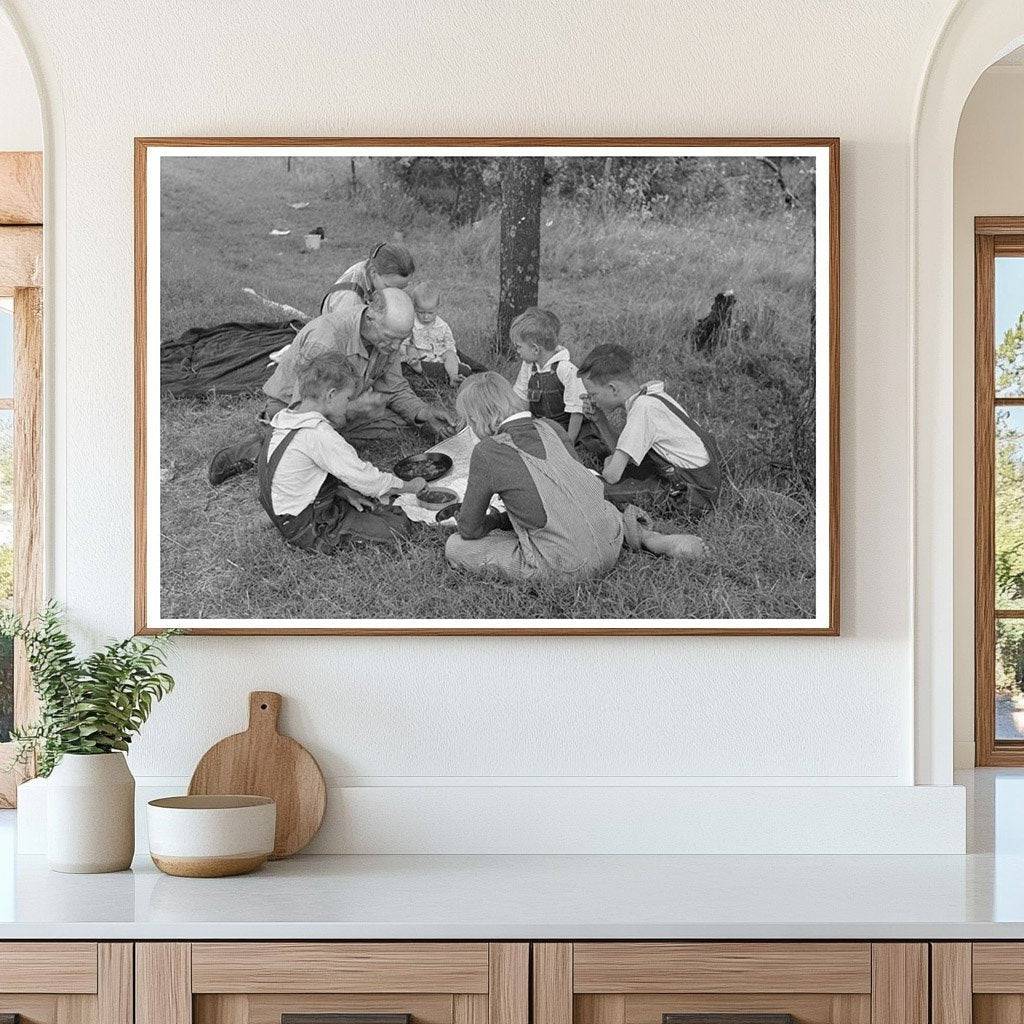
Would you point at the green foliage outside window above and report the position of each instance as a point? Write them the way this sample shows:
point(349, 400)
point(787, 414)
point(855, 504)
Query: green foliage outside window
point(1009, 508)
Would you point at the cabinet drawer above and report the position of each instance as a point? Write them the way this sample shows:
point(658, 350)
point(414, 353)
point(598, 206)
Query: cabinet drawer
point(998, 967)
point(340, 967)
point(734, 982)
point(48, 967)
point(262, 982)
point(66, 982)
point(635, 967)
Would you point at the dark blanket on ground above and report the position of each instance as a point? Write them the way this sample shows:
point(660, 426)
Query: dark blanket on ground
point(227, 359)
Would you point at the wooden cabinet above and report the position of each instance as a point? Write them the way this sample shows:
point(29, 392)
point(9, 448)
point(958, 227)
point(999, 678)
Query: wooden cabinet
point(980, 982)
point(259, 982)
point(494, 983)
point(66, 982)
point(647, 982)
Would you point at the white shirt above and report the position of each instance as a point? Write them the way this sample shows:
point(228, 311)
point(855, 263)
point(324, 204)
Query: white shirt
point(566, 373)
point(649, 424)
point(316, 450)
point(429, 342)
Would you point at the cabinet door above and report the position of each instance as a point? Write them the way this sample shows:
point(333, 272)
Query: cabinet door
point(736, 982)
point(332, 983)
point(981, 982)
point(66, 982)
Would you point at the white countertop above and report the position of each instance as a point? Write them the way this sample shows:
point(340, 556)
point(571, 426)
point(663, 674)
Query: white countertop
point(532, 897)
point(978, 896)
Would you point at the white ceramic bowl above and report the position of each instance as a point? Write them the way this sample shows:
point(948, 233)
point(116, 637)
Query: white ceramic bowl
point(211, 836)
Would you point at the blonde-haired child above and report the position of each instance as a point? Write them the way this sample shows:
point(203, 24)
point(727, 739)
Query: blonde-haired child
point(431, 347)
point(547, 379)
point(314, 487)
point(556, 523)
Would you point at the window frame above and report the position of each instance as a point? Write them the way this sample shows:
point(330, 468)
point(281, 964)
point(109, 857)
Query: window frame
point(993, 237)
point(21, 271)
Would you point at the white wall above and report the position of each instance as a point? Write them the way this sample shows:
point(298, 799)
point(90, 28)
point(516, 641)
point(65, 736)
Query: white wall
point(988, 181)
point(393, 713)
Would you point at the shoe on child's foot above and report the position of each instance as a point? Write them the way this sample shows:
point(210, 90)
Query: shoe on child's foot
point(634, 522)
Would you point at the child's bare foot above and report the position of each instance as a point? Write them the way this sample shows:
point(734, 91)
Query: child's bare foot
point(675, 545)
point(641, 535)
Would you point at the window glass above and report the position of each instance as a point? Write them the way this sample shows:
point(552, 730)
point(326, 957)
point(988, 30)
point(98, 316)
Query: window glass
point(6, 349)
point(1009, 327)
point(1009, 525)
point(1009, 679)
point(6, 567)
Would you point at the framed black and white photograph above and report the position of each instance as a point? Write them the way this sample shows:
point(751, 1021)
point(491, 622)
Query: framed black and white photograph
point(502, 386)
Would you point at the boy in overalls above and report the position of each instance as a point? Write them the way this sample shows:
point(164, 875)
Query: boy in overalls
point(661, 447)
point(547, 379)
point(314, 487)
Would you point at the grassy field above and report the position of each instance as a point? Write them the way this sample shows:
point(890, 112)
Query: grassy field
point(614, 278)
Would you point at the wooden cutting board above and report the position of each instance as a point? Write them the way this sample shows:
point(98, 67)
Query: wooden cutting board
point(262, 762)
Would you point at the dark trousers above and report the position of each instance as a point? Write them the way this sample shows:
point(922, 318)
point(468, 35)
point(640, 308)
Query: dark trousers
point(358, 432)
point(636, 482)
point(646, 480)
point(337, 525)
point(433, 377)
point(331, 524)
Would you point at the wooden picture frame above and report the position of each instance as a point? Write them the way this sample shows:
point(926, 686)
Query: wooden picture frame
point(825, 621)
point(993, 237)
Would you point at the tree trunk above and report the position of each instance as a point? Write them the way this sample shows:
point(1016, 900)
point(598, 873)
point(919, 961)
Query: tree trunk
point(522, 182)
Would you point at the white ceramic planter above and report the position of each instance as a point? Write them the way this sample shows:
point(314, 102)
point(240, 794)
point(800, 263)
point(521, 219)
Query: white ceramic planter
point(90, 814)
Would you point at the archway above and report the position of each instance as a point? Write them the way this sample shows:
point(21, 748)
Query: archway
point(976, 34)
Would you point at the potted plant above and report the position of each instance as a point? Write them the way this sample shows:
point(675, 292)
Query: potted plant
point(89, 709)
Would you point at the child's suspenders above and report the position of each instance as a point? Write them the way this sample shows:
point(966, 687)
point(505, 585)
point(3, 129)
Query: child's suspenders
point(703, 483)
point(298, 529)
point(546, 394)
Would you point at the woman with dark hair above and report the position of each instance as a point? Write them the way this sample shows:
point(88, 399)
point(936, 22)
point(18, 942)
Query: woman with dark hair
point(390, 266)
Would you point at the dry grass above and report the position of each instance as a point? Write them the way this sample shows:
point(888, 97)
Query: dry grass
point(640, 284)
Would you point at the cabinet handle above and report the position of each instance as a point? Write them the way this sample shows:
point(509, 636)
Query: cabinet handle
point(728, 1018)
point(337, 1018)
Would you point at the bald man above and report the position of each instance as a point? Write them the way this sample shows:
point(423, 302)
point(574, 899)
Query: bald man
point(371, 338)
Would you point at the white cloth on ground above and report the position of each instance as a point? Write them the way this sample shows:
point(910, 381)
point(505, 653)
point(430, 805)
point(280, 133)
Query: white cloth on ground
point(459, 447)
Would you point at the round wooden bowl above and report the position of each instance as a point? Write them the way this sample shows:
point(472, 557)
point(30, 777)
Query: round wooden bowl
point(211, 836)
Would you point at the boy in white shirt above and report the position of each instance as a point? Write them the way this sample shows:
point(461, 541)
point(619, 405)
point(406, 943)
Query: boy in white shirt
point(547, 379)
point(431, 347)
point(317, 491)
point(660, 447)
